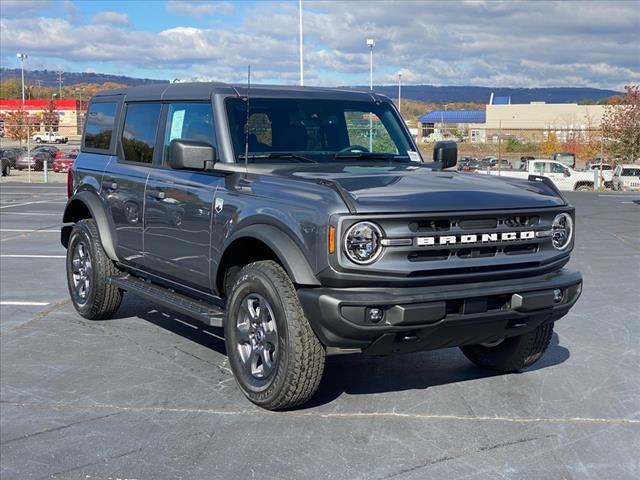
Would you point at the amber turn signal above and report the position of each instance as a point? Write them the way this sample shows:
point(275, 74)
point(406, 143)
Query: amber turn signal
point(332, 239)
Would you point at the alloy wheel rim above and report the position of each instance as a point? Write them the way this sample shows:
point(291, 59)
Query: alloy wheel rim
point(81, 269)
point(257, 336)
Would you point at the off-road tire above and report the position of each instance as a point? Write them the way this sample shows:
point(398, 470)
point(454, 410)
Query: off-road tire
point(301, 356)
point(7, 170)
point(514, 353)
point(103, 298)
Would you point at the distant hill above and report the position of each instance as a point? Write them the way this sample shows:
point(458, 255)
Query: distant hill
point(431, 93)
point(422, 93)
point(49, 78)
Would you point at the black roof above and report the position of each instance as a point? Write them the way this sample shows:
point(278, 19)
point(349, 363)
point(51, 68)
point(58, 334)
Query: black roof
point(205, 90)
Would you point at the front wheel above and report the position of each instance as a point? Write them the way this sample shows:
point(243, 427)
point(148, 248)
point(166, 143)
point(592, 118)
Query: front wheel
point(38, 140)
point(274, 354)
point(511, 354)
point(6, 171)
point(88, 272)
point(584, 188)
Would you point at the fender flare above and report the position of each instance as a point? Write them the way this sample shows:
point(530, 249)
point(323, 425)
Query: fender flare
point(97, 210)
point(289, 254)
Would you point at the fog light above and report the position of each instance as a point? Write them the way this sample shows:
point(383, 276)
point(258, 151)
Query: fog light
point(375, 315)
point(557, 295)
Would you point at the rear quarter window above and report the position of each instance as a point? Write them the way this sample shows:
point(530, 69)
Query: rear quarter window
point(100, 123)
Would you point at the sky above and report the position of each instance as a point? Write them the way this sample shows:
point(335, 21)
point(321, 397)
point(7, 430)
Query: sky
point(470, 42)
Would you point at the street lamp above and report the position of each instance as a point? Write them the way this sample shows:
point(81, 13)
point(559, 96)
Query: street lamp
point(400, 93)
point(22, 57)
point(371, 43)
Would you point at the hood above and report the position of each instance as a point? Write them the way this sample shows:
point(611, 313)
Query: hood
point(404, 188)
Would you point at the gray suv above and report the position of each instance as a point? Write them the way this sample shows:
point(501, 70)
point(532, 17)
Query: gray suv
point(305, 222)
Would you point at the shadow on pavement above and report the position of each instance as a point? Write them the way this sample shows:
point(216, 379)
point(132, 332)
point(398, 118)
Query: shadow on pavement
point(352, 374)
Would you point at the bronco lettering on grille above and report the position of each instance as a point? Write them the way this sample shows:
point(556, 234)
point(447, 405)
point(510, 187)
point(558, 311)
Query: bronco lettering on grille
point(474, 238)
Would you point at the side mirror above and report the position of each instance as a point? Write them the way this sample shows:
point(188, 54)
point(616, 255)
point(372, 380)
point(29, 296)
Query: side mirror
point(190, 154)
point(445, 154)
point(566, 172)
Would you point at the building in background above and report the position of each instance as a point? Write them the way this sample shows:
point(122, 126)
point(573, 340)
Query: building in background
point(69, 114)
point(526, 122)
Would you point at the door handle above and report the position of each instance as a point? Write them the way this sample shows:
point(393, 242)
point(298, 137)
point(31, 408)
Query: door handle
point(160, 195)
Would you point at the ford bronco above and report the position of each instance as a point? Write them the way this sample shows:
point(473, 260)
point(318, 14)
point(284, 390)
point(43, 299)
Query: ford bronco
point(304, 222)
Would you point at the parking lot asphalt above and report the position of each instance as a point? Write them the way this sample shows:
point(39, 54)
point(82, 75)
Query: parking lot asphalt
point(149, 395)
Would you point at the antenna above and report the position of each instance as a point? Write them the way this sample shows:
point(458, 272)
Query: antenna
point(246, 137)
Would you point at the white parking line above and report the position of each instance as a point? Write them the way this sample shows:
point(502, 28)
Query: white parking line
point(32, 256)
point(24, 304)
point(26, 203)
point(31, 213)
point(19, 230)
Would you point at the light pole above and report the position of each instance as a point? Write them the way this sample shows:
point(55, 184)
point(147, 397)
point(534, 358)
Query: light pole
point(371, 43)
point(301, 45)
point(400, 93)
point(22, 57)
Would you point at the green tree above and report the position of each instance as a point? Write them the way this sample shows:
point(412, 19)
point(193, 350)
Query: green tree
point(11, 88)
point(621, 125)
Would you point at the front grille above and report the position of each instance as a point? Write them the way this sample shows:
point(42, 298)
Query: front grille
point(464, 244)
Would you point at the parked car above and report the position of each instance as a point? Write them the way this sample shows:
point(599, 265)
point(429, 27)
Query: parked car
point(564, 178)
point(502, 164)
point(465, 161)
point(49, 149)
point(11, 153)
point(626, 177)
point(35, 161)
point(49, 137)
point(64, 163)
point(301, 245)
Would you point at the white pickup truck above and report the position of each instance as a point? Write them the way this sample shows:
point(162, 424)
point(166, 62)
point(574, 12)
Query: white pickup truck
point(565, 178)
point(49, 137)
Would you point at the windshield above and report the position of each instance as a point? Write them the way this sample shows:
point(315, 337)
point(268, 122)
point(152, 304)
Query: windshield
point(287, 130)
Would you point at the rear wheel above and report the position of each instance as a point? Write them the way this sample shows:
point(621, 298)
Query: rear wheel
point(275, 357)
point(511, 354)
point(584, 188)
point(7, 170)
point(38, 140)
point(88, 271)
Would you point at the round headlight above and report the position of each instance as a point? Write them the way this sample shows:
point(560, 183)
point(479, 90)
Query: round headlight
point(362, 242)
point(562, 231)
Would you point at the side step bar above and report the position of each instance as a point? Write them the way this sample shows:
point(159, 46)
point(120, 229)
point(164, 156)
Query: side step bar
point(207, 313)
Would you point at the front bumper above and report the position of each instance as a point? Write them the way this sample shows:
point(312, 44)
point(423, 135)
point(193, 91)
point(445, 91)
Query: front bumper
point(426, 318)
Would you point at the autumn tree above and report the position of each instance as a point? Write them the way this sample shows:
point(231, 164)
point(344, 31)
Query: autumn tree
point(50, 117)
point(621, 124)
point(15, 126)
point(550, 144)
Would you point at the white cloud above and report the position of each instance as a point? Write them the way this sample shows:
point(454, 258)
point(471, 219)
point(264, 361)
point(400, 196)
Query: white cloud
point(111, 18)
point(450, 43)
point(199, 9)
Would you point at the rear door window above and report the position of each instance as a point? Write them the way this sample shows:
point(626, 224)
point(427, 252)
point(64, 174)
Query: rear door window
point(188, 121)
point(139, 132)
point(99, 125)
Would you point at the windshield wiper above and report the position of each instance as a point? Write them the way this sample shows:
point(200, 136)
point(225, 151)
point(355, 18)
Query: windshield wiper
point(277, 156)
point(389, 157)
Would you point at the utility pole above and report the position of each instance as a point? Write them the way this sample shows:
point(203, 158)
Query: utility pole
point(301, 46)
point(60, 72)
point(39, 82)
